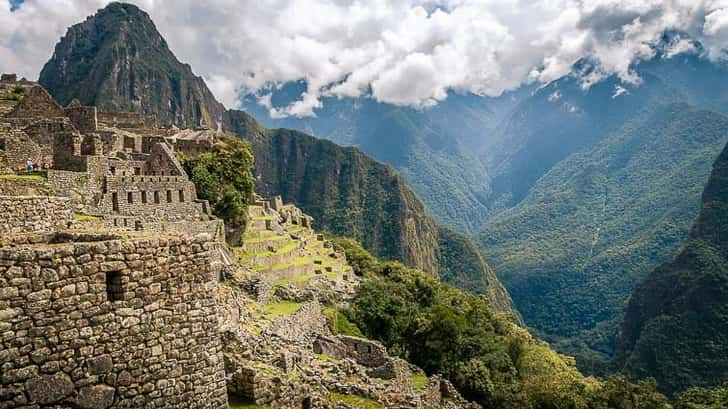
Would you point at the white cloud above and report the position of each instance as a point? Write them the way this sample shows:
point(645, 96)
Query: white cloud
point(407, 52)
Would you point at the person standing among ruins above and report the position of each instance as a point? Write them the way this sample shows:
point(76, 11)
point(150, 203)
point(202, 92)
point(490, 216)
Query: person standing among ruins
point(29, 164)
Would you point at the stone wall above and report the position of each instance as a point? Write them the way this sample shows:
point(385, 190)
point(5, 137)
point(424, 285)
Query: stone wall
point(36, 103)
point(110, 324)
point(25, 214)
point(127, 120)
point(152, 197)
point(16, 147)
point(83, 118)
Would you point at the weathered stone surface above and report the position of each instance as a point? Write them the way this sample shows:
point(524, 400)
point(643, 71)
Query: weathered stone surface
point(96, 397)
point(100, 365)
point(49, 388)
point(62, 341)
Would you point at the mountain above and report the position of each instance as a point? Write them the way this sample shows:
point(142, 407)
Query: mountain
point(103, 61)
point(351, 195)
point(118, 61)
point(676, 324)
point(600, 220)
point(433, 149)
point(618, 172)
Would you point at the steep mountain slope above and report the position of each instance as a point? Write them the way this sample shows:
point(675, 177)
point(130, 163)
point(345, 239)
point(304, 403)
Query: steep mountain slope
point(433, 149)
point(118, 61)
point(676, 325)
point(599, 221)
point(346, 191)
point(351, 195)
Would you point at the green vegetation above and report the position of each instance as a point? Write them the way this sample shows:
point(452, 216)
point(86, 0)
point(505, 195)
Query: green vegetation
point(703, 398)
point(355, 401)
point(487, 357)
point(224, 177)
point(83, 217)
point(31, 176)
point(11, 96)
point(598, 222)
point(346, 192)
point(280, 309)
point(676, 324)
point(340, 324)
point(419, 381)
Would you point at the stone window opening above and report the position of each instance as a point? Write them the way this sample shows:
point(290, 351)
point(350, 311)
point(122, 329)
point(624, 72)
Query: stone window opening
point(137, 171)
point(130, 197)
point(169, 196)
point(181, 196)
point(156, 197)
point(2, 144)
point(115, 201)
point(144, 197)
point(114, 289)
point(112, 170)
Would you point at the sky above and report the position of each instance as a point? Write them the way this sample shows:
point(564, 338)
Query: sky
point(404, 52)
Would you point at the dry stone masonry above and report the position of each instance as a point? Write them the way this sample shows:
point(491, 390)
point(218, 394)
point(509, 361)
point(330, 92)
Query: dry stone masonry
point(98, 322)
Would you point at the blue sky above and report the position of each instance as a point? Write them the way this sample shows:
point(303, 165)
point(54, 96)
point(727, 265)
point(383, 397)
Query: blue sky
point(14, 4)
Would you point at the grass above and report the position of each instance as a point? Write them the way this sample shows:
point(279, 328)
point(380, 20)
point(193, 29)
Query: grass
point(83, 217)
point(280, 309)
point(31, 176)
point(326, 358)
point(11, 96)
point(355, 401)
point(419, 381)
point(342, 326)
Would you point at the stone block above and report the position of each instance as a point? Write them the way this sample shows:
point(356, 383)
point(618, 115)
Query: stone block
point(96, 397)
point(48, 388)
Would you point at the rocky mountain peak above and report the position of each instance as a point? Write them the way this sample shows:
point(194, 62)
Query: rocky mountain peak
point(118, 61)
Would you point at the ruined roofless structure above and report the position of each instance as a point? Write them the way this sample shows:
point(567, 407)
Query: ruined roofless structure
point(119, 166)
point(92, 320)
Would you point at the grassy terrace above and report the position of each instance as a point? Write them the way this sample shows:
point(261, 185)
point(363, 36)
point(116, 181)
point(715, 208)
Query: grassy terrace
point(280, 309)
point(32, 176)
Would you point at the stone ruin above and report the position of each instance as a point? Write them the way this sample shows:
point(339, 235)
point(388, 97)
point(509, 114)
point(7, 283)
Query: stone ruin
point(119, 166)
point(103, 320)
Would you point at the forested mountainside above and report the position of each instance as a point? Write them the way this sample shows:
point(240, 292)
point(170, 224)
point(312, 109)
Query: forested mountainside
point(676, 324)
point(347, 192)
point(118, 61)
point(351, 195)
point(615, 206)
point(435, 150)
point(599, 221)
point(564, 185)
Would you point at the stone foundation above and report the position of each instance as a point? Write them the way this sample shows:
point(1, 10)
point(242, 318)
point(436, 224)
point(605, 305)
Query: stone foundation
point(25, 214)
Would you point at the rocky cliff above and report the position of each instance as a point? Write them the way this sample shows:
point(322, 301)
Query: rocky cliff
point(118, 61)
point(676, 324)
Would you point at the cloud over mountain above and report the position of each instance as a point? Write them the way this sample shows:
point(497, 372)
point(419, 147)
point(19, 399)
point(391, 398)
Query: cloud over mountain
point(402, 52)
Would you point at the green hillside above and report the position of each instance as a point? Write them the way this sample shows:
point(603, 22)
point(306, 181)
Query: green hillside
point(676, 324)
point(599, 221)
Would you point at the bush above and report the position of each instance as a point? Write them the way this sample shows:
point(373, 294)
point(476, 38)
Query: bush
point(224, 177)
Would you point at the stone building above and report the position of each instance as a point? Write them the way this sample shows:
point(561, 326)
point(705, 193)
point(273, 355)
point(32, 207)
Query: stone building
point(119, 166)
point(94, 321)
